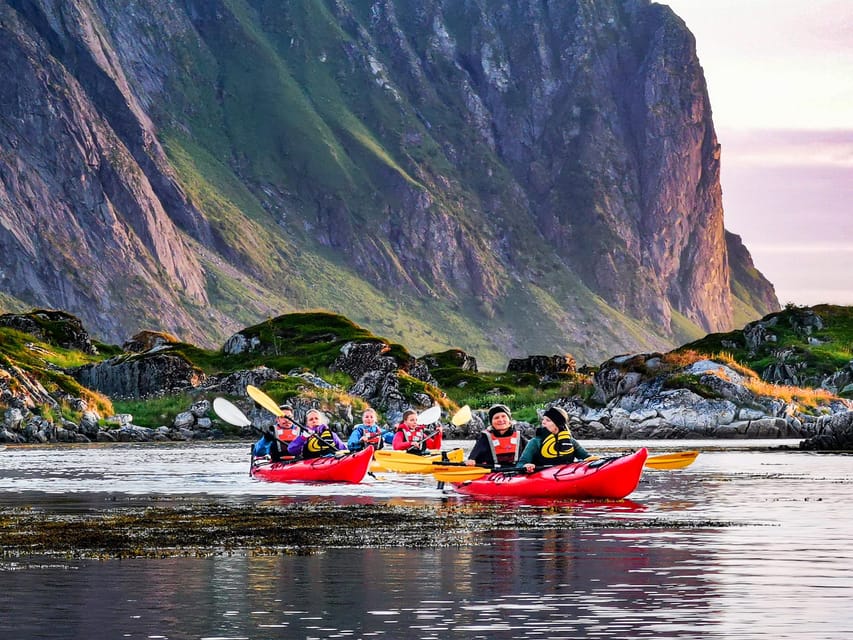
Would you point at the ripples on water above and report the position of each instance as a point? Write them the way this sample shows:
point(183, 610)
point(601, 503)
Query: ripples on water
point(777, 563)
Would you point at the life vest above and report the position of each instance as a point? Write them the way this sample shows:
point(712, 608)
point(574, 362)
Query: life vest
point(557, 448)
point(287, 435)
point(374, 438)
point(319, 443)
point(374, 435)
point(413, 436)
point(505, 448)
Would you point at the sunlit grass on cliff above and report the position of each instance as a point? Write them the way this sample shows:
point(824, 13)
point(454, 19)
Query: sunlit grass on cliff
point(46, 363)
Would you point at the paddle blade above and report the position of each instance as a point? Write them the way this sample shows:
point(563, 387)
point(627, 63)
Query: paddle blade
point(230, 413)
point(458, 474)
point(463, 416)
point(264, 400)
point(430, 415)
point(672, 460)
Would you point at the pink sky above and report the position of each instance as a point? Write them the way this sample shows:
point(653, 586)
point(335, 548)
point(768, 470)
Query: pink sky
point(780, 77)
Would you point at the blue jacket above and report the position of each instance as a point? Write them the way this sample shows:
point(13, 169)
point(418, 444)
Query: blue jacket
point(355, 442)
point(262, 447)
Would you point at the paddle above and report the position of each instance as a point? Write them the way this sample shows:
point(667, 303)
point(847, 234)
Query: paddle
point(668, 461)
point(232, 415)
point(430, 415)
point(463, 416)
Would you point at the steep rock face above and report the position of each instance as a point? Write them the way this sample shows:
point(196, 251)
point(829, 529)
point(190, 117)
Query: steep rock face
point(85, 191)
point(601, 115)
point(508, 161)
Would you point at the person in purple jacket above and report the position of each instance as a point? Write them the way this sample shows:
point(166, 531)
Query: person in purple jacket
point(321, 441)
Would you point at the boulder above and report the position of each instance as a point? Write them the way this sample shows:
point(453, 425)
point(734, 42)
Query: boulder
point(148, 340)
point(543, 365)
point(835, 434)
point(139, 376)
point(239, 343)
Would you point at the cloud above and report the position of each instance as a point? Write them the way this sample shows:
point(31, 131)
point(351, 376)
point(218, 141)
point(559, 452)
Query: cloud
point(788, 148)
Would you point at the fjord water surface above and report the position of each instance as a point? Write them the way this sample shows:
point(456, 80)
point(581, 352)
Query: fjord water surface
point(744, 543)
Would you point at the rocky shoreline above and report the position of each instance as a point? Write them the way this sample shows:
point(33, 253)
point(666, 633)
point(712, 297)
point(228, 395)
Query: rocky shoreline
point(636, 396)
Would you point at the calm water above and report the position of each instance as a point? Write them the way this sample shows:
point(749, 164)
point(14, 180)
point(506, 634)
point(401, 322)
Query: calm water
point(777, 563)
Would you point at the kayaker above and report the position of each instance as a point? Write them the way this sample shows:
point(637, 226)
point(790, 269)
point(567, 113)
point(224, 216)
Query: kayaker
point(501, 444)
point(320, 441)
point(274, 443)
point(553, 443)
point(411, 437)
point(366, 433)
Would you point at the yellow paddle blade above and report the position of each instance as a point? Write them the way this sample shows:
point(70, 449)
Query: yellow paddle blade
point(455, 455)
point(458, 474)
point(264, 400)
point(672, 460)
point(463, 416)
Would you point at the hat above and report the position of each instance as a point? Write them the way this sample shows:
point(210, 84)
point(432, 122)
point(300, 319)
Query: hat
point(285, 407)
point(499, 408)
point(558, 416)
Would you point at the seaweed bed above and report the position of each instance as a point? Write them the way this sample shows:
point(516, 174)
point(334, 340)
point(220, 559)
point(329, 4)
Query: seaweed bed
point(205, 529)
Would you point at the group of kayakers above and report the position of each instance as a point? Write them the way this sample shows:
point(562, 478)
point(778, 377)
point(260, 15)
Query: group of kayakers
point(501, 444)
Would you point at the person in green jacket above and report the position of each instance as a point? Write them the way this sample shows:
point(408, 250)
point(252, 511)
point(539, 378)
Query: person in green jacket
point(553, 443)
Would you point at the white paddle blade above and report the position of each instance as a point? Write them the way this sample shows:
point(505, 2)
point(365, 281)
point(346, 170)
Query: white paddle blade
point(230, 413)
point(463, 416)
point(430, 415)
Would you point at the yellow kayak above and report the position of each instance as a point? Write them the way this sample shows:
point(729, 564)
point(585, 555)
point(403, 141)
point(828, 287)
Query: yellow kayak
point(402, 462)
point(672, 460)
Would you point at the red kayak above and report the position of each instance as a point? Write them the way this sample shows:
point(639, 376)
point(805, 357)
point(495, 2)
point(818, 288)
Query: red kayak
point(610, 478)
point(350, 467)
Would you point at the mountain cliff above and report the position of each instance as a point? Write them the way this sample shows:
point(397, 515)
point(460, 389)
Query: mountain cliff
point(506, 177)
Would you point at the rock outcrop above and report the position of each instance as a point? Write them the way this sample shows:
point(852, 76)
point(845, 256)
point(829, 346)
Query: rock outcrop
point(637, 396)
point(146, 375)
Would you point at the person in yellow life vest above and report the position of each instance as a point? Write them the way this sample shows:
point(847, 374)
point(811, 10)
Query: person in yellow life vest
point(319, 440)
point(501, 444)
point(553, 443)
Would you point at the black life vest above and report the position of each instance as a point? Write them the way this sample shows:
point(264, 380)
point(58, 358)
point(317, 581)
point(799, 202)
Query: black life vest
point(557, 448)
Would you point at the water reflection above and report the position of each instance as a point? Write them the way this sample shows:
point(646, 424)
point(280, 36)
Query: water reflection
point(748, 545)
point(556, 584)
